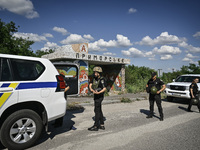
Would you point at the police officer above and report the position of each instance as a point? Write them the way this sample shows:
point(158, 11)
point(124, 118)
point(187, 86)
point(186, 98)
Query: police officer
point(160, 86)
point(98, 87)
point(194, 94)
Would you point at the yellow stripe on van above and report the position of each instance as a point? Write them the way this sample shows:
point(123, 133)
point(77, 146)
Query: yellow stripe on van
point(13, 85)
point(4, 97)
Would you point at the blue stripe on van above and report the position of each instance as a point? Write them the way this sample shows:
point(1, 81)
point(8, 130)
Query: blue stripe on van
point(1, 94)
point(5, 85)
point(33, 85)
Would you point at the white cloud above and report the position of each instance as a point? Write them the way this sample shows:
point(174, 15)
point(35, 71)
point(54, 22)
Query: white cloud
point(149, 54)
point(102, 43)
point(164, 38)
point(109, 54)
point(191, 56)
point(152, 58)
point(88, 36)
point(167, 50)
point(30, 36)
point(132, 10)
point(49, 45)
point(183, 44)
point(166, 57)
point(20, 7)
point(186, 59)
point(94, 47)
point(190, 48)
point(48, 35)
point(133, 52)
point(197, 35)
point(60, 30)
point(123, 41)
point(74, 39)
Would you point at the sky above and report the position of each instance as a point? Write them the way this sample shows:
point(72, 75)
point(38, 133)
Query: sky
point(159, 34)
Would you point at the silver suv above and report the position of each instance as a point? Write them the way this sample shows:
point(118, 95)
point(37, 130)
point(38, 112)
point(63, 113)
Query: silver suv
point(180, 86)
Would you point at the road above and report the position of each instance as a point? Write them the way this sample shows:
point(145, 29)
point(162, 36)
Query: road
point(127, 129)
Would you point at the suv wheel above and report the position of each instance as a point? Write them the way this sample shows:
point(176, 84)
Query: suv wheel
point(21, 129)
point(169, 98)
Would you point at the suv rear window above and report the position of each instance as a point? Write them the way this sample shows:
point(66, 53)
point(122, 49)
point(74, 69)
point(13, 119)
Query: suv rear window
point(26, 70)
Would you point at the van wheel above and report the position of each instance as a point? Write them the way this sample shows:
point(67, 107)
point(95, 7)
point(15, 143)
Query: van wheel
point(169, 98)
point(21, 129)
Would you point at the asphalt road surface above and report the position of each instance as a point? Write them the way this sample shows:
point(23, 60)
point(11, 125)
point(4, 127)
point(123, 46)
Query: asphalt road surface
point(127, 129)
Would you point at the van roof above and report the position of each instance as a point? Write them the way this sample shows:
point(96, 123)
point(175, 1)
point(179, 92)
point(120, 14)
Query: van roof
point(21, 57)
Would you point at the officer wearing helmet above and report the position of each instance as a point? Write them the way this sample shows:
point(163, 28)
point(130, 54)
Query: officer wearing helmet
point(98, 87)
point(154, 87)
point(194, 94)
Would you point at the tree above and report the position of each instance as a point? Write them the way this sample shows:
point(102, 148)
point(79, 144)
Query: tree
point(39, 53)
point(13, 45)
point(191, 69)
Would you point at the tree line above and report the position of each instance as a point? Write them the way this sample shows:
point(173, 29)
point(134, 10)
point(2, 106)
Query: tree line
point(137, 77)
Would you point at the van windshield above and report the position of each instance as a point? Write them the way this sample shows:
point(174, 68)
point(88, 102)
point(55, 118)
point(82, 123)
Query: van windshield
point(186, 78)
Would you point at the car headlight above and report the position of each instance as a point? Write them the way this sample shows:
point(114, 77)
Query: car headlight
point(187, 88)
point(168, 86)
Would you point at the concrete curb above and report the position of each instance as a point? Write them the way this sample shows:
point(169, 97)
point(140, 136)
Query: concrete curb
point(105, 102)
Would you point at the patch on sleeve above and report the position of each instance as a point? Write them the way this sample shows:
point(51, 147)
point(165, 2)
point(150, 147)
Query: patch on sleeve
point(102, 81)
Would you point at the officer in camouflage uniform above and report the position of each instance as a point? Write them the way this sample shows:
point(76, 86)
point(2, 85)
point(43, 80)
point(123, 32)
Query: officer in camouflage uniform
point(98, 87)
point(155, 97)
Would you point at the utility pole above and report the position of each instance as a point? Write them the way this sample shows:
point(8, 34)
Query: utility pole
point(159, 72)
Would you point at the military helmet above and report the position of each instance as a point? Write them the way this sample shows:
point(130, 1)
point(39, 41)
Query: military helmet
point(195, 101)
point(97, 69)
point(154, 90)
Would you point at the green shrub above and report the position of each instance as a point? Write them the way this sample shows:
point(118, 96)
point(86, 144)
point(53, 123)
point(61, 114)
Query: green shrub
point(106, 93)
point(74, 106)
point(125, 100)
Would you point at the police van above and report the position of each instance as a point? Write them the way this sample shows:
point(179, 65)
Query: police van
point(179, 88)
point(31, 95)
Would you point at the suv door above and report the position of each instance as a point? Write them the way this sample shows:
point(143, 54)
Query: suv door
point(70, 71)
point(7, 86)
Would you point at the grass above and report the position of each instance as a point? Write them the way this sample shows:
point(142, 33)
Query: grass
point(163, 95)
point(74, 106)
point(125, 100)
point(137, 99)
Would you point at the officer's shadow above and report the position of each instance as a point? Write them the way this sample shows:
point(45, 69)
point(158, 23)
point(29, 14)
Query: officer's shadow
point(147, 112)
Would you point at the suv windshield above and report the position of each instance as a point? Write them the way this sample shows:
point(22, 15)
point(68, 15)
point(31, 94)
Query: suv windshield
point(186, 78)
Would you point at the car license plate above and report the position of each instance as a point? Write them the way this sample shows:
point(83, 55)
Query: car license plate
point(175, 94)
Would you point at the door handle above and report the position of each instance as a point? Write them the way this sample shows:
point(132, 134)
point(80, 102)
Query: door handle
point(8, 89)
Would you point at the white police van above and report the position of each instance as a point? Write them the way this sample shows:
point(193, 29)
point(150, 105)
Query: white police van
point(31, 95)
point(180, 87)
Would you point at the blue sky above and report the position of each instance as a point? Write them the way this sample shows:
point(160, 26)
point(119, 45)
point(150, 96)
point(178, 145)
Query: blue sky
point(160, 34)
